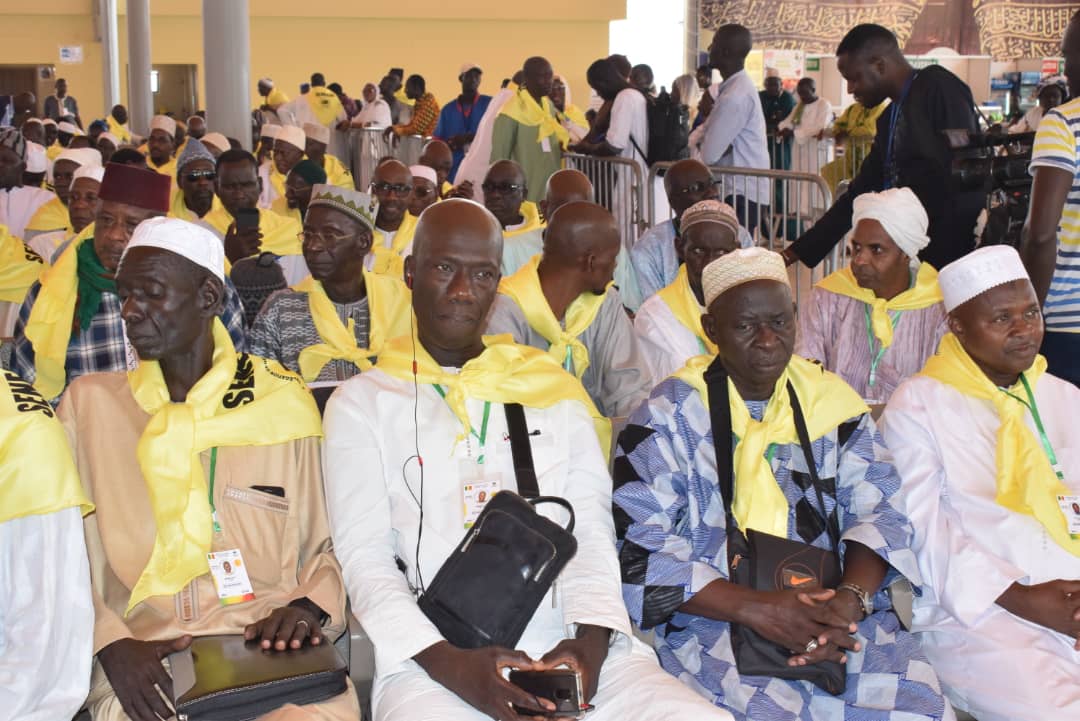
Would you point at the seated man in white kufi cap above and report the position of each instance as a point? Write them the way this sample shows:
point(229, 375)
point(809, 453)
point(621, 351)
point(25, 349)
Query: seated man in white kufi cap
point(332, 325)
point(237, 437)
point(37, 165)
point(290, 144)
point(425, 189)
point(989, 449)
point(317, 141)
point(82, 207)
point(876, 322)
point(161, 146)
point(54, 214)
point(674, 526)
point(668, 324)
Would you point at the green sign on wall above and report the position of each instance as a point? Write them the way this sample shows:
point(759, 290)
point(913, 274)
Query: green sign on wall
point(813, 65)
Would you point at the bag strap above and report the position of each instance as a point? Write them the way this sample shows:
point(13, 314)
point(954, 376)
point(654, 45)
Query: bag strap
point(521, 450)
point(716, 379)
point(808, 454)
point(637, 147)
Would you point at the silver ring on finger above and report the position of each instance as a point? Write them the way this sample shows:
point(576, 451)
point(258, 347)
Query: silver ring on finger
point(812, 645)
point(306, 624)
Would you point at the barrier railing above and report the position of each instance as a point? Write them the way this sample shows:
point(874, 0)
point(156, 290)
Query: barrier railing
point(618, 184)
point(850, 154)
point(774, 206)
point(367, 146)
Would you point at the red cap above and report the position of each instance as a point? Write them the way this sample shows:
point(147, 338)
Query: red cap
point(135, 186)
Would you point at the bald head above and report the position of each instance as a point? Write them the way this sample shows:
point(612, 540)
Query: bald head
point(457, 220)
point(538, 77)
point(454, 275)
point(582, 244)
point(438, 156)
point(688, 182)
point(565, 186)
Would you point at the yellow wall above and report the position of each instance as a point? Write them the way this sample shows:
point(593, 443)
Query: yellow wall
point(349, 42)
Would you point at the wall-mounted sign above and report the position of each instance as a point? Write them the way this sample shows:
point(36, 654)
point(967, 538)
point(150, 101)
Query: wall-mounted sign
point(813, 65)
point(71, 54)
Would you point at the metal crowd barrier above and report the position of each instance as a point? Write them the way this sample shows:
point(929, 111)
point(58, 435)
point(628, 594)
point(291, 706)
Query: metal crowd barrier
point(367, 147)
point(618, 184)
point(774, 206)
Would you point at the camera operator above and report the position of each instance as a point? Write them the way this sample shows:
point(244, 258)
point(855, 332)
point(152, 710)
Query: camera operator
point(909, 150)
point(1051, 239)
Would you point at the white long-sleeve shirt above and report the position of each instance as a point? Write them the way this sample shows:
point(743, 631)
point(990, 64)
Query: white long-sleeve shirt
point(734, 134)
point(970, 549)
point(371, 435)
point(46, 617)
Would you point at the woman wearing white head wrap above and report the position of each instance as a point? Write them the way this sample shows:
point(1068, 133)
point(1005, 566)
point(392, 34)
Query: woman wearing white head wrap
point(570, 116)
point(876, 322)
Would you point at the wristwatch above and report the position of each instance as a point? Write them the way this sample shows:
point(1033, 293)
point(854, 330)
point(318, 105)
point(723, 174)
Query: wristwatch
point(866, 600)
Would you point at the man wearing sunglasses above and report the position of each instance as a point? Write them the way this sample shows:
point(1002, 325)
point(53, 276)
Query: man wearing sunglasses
point(195, 173)
point(505, 193)
point(656, 254)
point(392, 186)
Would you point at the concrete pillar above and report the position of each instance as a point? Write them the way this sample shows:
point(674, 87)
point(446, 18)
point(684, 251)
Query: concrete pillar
point(140, 98)
point(226, 50)
point(110, 51)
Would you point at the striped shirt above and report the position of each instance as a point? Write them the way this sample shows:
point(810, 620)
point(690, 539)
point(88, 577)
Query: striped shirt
point(1057, 145)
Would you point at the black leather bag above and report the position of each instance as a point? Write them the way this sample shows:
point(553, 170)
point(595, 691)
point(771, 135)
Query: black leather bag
point(766, 562)
point(487, 591)
point(222, 678)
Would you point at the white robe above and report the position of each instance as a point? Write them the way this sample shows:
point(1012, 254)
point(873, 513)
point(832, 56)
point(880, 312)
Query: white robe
point(477, 160)
point(374, 518)
point(46, 617)
point(808, 153)
point(18, 205)
point(665, 343)
point(970, 549)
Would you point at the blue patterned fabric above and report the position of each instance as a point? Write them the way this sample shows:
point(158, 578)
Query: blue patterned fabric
point(100, 348)
point(672, 543)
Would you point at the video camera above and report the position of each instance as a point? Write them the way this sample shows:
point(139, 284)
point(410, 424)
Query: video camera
point(996, 163)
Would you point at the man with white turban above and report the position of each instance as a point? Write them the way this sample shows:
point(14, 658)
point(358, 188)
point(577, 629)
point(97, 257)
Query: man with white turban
point(876, 322)
point(988, 446)
point(835, 490)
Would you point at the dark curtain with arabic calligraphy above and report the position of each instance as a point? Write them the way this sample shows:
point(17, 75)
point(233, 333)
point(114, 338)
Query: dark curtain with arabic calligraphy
point(1004, 29)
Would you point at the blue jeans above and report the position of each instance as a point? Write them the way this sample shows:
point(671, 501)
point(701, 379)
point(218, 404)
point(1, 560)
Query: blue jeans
point(1062, 351)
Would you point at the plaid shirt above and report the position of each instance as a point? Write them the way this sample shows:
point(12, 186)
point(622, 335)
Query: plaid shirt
point(425, 117)
point(100, 348)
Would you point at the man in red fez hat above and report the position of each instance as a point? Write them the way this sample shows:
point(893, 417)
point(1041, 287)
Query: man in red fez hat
point(70, 324)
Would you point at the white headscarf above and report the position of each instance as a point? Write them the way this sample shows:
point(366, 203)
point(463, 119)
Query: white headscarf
point(900, 213)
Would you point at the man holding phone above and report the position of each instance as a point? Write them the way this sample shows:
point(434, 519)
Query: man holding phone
point(246, 229)
point(395, 524)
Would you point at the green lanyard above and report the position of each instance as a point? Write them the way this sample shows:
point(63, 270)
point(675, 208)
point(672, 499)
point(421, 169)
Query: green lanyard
point(210, 490)
point(895, 318)
point(483, 424)
point(568, 362)
point(1030, 403)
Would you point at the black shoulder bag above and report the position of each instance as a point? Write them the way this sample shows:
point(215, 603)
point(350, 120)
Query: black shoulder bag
point(487, 591)
point(766, 562)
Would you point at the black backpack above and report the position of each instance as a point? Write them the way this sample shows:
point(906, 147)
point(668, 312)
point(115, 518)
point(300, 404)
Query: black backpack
point(669, 130)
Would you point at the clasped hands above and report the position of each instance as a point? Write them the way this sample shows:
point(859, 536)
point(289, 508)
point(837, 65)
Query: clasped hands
point(793, 618)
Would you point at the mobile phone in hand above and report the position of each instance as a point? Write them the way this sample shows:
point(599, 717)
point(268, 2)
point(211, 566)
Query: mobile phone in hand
point(560, 686)
point(247, 219)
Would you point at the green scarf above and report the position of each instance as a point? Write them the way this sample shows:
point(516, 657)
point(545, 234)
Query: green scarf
point(94, 280)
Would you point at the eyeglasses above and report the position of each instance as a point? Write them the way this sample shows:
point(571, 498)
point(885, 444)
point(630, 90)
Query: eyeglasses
point(395, 188)
point(311, 236)
point(695, 188)
point(501, 188)
point(423, 192)
point(198, 175)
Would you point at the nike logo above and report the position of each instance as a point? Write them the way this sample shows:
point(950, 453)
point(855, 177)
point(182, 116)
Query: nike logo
point(794, 580)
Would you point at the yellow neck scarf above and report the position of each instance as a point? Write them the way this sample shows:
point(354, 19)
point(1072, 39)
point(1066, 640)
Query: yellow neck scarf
point(279, 233)
point(229, 406)
point(523, 108)
point(324, 104)
point(504, 373)
point(37, 475)
point(20, 267)
point(178, 208)
point(403, 237)
point(1026, 481)
point(51, 216)
point(530, 212)
point(682, 302)
point(389, 306)
point(524, 288)
point(49, 326)
point(280, 206)
point(923, 294)
point(120, 131)
point(826, 403)
point(386, 262)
